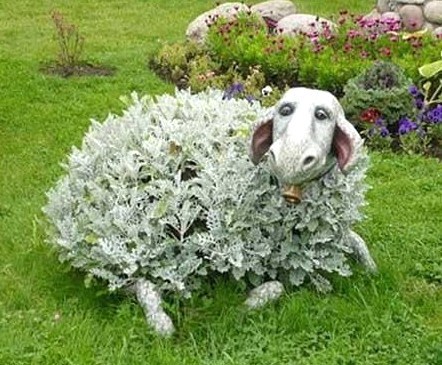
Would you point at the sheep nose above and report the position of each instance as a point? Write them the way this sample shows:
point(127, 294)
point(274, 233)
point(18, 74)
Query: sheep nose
point(309, 162)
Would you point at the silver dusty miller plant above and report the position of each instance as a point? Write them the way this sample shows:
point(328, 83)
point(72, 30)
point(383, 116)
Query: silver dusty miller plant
point(164, 196)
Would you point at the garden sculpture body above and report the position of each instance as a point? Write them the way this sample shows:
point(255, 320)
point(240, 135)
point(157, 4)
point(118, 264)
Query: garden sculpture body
point(165, 196)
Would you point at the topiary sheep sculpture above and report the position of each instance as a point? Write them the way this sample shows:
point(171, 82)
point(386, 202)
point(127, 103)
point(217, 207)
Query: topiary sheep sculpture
point(168, 194)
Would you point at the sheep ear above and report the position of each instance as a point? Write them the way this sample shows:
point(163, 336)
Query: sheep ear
point(262, 139)
point(346, 144)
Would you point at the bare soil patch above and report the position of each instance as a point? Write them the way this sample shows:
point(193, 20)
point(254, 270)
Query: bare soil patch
point(82, 69)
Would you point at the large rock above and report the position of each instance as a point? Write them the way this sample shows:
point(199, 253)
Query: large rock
point(372, 15)
point(438, 32)
point(383, 6)
point(429, 26)
point(413, 2)
point(303, 23)
point(433, 11)
point(274, 9)
point(197, 29)
point(390, 15)
point(412, 17)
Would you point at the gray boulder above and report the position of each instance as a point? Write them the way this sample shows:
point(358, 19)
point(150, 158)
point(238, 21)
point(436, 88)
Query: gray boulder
point(390, 15)
point(412, 17)
point(412, 2)
point(303, 23)
point(438, 32)
point(198, 28)
point(383, 6)
point(433, 12)
point(274, 9)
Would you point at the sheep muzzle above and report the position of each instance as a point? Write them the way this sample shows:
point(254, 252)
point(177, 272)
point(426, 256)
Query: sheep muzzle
point(292, 194)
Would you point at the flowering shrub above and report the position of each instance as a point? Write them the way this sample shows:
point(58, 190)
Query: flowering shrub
point(247, 42)
point(331, 58)
point(166, 192)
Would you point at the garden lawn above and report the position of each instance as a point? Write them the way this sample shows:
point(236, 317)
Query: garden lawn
point(47, 316)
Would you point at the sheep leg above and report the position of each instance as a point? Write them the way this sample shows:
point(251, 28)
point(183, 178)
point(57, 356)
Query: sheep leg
point(361, 253)
point(150, 301)
point(264, 293)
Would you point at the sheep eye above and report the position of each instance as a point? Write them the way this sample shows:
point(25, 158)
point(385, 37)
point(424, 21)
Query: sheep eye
point(286, 110)
point(321, 114)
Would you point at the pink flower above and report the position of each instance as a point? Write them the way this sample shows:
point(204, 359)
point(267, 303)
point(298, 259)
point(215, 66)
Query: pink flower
point(318, 48)
point(386, 51)
point(347, 47)
point(352, 33)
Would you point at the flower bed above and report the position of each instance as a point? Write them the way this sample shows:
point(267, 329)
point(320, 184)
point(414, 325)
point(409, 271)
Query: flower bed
point(253, 54)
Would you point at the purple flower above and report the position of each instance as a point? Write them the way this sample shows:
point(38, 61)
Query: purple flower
point(414, 90)
point(434, 115)
point(235, 89)
point(381, 127)
point(384, 132)
point(418, 96)
point(250, 98)
point(406, 125)
point(419, 102)
point(380, 122)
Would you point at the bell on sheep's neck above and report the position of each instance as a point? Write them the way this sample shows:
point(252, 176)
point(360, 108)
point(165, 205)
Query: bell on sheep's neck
point(292, 194)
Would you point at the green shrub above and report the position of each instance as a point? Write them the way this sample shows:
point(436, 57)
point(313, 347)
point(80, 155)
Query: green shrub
point(173, 60)
point(326, 71)
point(381, 90)
point(70, 41)
point(203, 72)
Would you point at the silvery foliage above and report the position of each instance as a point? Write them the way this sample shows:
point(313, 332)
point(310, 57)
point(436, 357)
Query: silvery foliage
point(166, 192)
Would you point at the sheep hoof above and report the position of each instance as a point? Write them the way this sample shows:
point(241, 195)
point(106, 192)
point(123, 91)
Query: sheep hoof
point(263, 294)
point(362, 254)
point(150, 301)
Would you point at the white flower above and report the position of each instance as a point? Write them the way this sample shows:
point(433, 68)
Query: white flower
point(266, 91)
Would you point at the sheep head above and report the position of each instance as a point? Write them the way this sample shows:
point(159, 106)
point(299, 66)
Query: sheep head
point(306, 135)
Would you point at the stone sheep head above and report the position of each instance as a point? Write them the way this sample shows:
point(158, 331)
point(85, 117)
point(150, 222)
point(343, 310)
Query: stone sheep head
point(305, 136)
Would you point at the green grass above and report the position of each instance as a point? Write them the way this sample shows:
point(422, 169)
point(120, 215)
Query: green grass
point(47, 316)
